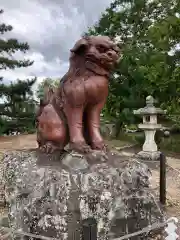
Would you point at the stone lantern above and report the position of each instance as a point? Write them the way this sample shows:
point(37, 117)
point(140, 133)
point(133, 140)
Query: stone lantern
point(149, 114)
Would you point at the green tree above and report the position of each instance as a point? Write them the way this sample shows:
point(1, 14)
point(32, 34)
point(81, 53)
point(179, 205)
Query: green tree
point(146, 31)
point(17, 111)
point(47, 82)
point(9, 47)
point(18, 108)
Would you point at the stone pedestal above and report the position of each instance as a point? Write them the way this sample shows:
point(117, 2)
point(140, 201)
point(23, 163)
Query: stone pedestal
point(52, 196)
point(148, 156)
point(149, 144)
point(151, 159)
point(149, 131)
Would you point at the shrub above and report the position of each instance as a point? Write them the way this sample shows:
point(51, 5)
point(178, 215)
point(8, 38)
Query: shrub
point(175, 129)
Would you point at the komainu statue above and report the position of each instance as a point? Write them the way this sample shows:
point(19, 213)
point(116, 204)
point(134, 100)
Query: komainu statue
point(70, 114)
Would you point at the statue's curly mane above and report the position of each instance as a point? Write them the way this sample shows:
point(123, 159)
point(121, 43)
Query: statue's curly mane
point(77, 68)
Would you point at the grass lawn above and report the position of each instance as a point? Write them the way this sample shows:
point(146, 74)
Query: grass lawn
point(118, 143)
point(169, 144)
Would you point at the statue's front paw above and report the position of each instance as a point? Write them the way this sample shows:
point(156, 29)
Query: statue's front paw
point(80, 147)
point(48, 148)
point(101, 146)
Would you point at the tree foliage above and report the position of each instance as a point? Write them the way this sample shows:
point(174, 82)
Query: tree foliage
point(8, 47)
point(49, 82)
point(148, 33)
point(17, 107)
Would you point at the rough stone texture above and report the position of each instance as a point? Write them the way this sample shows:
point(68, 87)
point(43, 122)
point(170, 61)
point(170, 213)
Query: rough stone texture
point(2, 199)
point(148, 156)
point(51, 197)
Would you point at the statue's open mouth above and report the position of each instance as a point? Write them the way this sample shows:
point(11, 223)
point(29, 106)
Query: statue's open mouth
point(92, 58)
point(101, 62)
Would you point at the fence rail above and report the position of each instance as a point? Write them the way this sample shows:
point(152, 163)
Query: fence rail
point(170, 224)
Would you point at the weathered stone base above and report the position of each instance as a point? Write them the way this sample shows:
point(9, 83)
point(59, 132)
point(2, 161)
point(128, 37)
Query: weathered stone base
point(53, 196)
point(148, 156)
point(151, 159)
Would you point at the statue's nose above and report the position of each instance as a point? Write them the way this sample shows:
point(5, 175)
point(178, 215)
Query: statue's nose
point(93, 50)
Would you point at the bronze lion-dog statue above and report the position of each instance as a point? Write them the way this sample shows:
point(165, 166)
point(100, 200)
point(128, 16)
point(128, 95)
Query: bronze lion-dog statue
point(70, 114)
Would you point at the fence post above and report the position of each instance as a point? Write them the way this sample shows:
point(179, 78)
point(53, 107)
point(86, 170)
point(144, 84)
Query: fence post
point(89, 229)
point(162, 188)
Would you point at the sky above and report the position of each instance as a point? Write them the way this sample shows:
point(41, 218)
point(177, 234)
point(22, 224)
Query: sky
point(51, 28)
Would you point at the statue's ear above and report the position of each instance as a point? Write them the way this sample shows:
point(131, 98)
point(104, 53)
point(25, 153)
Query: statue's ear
point(80, 46)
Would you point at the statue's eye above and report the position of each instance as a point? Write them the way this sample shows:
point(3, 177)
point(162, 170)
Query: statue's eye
point(102, 49)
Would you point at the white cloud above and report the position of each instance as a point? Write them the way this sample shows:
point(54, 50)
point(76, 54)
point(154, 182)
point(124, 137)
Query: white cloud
point(51, 29)
point(36, 22)
point(40, 68)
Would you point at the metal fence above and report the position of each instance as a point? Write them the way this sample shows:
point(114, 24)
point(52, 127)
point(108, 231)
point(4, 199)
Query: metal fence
point(89, 232)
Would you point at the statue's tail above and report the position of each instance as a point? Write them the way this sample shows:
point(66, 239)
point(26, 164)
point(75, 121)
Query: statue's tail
point(48, 97)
